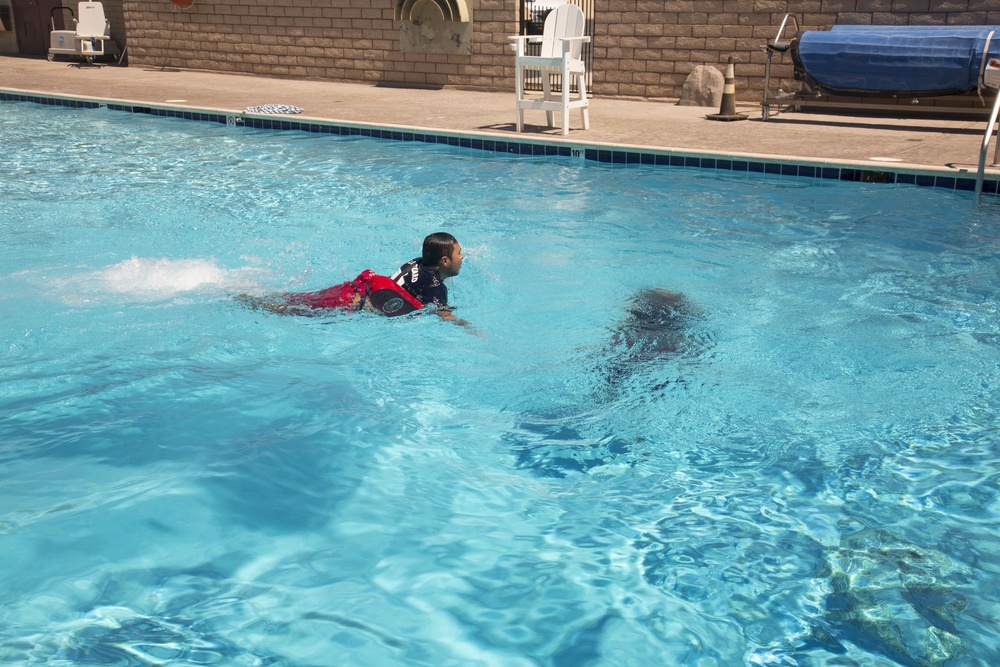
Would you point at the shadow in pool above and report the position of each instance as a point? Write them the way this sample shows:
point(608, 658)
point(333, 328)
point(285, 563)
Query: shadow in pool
point(659, 339)
point(554, 449)
point(119, 627)
point(892, 598)
point(657, 325)
point(286, 484)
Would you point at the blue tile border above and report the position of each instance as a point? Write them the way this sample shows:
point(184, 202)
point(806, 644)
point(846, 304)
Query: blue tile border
point(609, 155)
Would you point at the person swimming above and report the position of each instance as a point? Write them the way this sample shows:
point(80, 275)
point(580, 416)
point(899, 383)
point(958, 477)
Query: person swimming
point(654, 347)
point(423, 277)
point(658, 324)
point(417, 284)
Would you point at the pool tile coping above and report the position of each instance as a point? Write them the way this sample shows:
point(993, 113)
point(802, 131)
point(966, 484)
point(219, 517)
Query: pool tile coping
point(842, 170)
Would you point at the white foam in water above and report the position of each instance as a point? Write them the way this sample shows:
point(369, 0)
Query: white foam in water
point(150, 279)
point(477, 252)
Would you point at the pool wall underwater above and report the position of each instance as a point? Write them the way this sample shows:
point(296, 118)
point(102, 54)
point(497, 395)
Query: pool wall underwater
point(796, 168)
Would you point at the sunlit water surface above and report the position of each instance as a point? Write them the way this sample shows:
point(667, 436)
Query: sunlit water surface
point(805, 473)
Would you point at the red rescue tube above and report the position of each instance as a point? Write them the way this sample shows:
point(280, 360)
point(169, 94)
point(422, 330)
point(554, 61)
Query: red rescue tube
point(344, 295)
point(390, 299)
point(384, 295)
point(183, 4)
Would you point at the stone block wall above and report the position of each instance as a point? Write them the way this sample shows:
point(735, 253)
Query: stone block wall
point(113, 12)
point(341, 40)
point(642, 48)
point(646, 48)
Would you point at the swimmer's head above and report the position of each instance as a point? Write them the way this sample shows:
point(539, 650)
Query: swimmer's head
point(442, 251)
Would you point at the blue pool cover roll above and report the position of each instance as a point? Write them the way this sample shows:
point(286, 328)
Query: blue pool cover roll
point(894, 60)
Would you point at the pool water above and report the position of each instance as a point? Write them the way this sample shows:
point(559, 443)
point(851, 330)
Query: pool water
point(797, 463)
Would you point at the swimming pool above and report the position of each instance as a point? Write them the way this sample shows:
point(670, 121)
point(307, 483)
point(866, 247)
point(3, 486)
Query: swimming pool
point(807, 474)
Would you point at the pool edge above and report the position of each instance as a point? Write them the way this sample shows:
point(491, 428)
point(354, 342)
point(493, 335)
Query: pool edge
point(624, 154)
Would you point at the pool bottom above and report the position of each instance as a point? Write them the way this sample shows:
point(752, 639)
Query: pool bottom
point(804, 474)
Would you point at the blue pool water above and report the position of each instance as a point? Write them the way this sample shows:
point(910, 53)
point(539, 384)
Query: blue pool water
point(801, 468)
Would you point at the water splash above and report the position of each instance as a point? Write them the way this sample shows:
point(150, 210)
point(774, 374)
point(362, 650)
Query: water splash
point(156, 279)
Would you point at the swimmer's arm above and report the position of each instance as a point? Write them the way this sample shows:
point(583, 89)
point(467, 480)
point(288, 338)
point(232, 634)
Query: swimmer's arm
point(445, 314)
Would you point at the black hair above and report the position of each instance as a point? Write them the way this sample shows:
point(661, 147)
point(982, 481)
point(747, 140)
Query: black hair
point(436, 246)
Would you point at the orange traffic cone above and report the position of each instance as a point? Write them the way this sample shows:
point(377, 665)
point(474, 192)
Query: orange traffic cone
point(727, 111)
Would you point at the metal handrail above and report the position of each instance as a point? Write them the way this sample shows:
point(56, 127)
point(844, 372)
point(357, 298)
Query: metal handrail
point(776, 45)
point(985, 146)
point(52, 15)
point(781, 29)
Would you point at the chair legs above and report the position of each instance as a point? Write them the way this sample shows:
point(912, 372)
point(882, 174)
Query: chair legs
point(551, 102)
point(519, 91)
point(565, 101)
point(547, 95)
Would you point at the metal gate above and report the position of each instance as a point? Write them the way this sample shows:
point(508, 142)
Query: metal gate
point(533, 13)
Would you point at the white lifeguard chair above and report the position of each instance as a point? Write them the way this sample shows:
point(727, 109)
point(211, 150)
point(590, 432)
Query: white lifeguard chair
point(562, 42)
point(88, 40)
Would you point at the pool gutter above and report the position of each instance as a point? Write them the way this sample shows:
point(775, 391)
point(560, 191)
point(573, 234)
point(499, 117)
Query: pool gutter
point(622, 154)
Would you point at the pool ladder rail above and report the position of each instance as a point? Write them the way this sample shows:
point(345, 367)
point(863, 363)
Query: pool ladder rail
point(990, 79)
point(780, 44)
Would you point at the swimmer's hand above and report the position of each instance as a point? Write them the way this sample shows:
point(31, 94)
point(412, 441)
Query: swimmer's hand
point(446, 315)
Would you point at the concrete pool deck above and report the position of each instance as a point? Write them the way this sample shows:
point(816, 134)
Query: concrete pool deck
point(942, 145)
